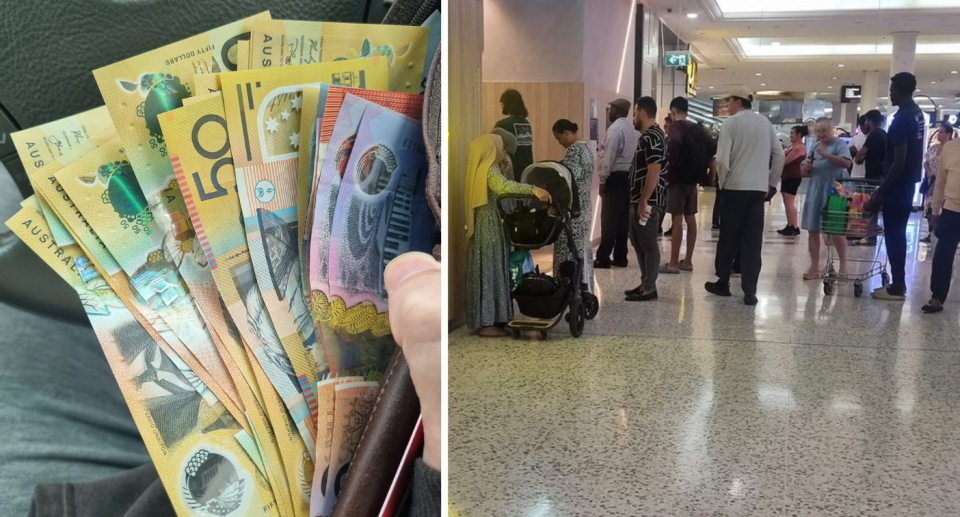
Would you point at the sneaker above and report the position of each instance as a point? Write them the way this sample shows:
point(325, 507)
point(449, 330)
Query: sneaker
point(621, 263)
point(636, 290)
point(641, 297)
point(932, 307)
point(718, 288)
point(794, 232)
point(883, 293)
point(601, 264)
point(785, 230)
point(750, 299)
point(665, 269)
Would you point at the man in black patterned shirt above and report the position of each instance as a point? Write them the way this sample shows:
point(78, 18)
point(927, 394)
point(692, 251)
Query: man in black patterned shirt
point(647, 197)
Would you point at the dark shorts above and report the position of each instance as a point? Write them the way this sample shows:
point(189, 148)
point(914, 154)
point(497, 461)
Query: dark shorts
point(790, 186)
point(682, 199)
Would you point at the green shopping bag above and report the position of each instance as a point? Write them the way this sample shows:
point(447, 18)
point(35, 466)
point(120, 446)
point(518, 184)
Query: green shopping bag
point(835, 214)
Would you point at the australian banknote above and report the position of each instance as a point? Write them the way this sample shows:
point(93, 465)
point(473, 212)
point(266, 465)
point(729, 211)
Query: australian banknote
point(264, 105)
point(103, 188)
point(276, 43)
point(326, 395)
point(61, 142)
point(205, 171)
point(202, 466)
point(381, 212)
point(351, 409)
point(330, 100)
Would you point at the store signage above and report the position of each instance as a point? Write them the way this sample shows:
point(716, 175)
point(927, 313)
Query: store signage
point(851, 92)
point(692, 78)
point(676, 59)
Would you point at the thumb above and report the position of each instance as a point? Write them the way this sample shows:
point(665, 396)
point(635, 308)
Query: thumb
point(413, 285)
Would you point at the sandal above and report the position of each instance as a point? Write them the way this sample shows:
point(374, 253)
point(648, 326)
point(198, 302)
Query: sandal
point(665, 269)
point(684, 266)
point(811, 275)
point(492, 332)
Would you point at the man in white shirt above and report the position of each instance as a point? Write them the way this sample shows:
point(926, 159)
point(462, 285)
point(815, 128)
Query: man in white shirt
point(749, 162)
point(619, 149)
point(856, 143)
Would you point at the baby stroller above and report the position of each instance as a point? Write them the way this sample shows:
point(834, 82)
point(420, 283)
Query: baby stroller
point(530, 224)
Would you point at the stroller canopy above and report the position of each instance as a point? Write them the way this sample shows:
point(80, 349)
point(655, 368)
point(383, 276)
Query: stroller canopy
point(556, 179)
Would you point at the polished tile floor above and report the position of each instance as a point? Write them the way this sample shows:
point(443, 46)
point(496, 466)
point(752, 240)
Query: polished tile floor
point(804, 405)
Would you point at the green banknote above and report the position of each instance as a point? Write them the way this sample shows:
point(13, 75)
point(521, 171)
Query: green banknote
point(203, 467)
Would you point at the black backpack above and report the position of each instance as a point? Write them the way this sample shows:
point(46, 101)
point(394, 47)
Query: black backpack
point(694, 156)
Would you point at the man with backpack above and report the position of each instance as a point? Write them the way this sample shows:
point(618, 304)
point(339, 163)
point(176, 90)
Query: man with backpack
point(692, 152)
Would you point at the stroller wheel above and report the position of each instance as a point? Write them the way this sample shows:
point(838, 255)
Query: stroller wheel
point(591, 305)
point(543, 334)
point(577, 318)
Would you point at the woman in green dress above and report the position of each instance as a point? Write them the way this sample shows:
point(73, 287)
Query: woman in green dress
point(489, 305)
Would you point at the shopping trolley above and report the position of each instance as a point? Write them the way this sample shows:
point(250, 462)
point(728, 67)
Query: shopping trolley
point(844, 216)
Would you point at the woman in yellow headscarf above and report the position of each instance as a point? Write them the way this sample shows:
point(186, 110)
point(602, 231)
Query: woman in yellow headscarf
point(489, 305)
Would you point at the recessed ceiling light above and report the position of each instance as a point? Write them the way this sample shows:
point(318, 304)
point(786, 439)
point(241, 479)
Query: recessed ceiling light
point(692, 15)
point(841, 65)
point(758, 74)
point(933, 82)
point(834, 78)
point(918, 89)
point(954, 72)
point(830, 87)
point(711, 87)
point(775, 43)
point(763, 84)
point(814, 93)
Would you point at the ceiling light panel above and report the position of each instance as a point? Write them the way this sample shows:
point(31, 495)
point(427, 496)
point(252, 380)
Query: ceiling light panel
point(751, 8)
point(752, 48)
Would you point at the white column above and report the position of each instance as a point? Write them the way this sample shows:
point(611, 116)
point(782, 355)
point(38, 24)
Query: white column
point(871, 81)
point(904, 52)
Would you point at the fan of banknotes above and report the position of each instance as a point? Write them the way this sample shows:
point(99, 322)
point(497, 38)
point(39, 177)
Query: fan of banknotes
point(226, 219)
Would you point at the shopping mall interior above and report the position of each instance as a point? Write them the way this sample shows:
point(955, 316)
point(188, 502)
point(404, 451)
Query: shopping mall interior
point(820, 400)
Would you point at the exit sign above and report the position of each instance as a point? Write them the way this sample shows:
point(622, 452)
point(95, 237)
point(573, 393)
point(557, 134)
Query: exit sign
point(676, 59)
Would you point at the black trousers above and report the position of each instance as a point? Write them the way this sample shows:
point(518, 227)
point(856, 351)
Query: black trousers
point(716, 207)
point(741, 233)
point(615, 218)
point(897, 207)
point(948, 237)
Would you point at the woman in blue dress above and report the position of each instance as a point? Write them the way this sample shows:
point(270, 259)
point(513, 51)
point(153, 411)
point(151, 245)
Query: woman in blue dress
point(828, 163)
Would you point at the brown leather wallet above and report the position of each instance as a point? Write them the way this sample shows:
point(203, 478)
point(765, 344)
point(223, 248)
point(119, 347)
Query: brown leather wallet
point(392, 422)
point(394, 415)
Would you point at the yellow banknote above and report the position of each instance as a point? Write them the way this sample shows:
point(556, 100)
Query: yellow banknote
point(102, 187)
point(311, 99)
point(61, 141)
point(206, 83)
point(276, 43)
point(205, 172)
point(203, 468)
point(243, 55)
point(99, 258)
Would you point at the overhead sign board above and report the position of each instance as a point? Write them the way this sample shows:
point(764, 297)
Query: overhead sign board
point(851, 92)
point(676, 59)
point(692, 78)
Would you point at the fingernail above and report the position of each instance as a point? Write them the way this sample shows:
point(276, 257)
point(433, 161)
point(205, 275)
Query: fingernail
point(405, 266)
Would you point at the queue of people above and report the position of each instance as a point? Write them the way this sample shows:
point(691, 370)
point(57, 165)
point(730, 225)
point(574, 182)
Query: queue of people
point(646, 172)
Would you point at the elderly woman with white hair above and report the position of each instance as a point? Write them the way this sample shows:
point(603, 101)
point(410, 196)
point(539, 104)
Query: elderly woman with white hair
point(828, 163)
